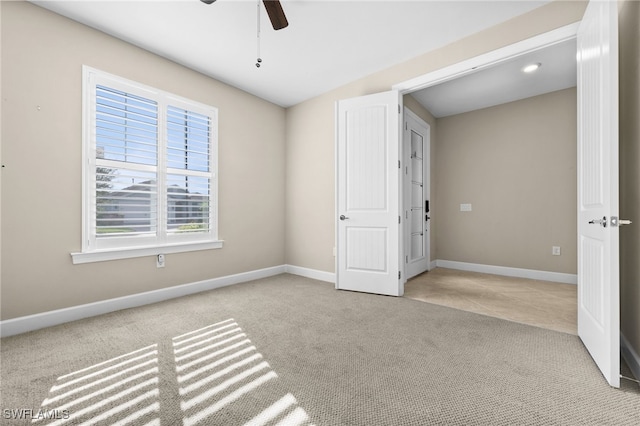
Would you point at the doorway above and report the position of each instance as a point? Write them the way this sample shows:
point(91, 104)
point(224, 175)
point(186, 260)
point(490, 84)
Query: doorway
point(597, 166)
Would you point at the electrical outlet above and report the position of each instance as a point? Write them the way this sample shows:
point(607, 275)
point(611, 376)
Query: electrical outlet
point(160, 261)
point(465, 207)
point(555, 250)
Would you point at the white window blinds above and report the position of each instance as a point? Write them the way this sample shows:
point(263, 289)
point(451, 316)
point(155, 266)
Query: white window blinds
point(126, 164)
point(151, 175)
point(188, 170)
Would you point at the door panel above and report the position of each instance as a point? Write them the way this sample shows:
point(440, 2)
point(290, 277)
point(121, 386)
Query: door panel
point(598, 237)
point(366, 249)
point(368, 238)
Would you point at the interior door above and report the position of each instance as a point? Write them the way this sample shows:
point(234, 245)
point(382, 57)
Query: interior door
point(416, 148)
point(598, 250)
point(368, 196)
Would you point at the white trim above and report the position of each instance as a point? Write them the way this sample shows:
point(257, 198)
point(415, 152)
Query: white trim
point(336, 254)
point(474, 64)
point(510, 272)
point(630, 356)
point(315, 274)
point(126, 253)
point(47, 319)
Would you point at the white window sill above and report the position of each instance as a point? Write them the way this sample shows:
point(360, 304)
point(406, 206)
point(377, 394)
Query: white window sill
point(126, 253)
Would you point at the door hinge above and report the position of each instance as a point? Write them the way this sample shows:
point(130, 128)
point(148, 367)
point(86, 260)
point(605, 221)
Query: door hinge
point(399, 274)
point(406, 126)
point(406, 259)
point(399, 111)
point(398, 219)
point(399, 164)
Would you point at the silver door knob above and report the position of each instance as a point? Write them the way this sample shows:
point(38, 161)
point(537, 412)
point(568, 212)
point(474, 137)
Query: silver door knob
point(619, 222)
point(343, 217)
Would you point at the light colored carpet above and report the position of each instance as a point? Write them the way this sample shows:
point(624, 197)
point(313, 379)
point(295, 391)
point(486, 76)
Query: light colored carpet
point(289, 350)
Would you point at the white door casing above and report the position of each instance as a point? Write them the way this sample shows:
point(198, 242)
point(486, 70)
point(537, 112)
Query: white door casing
point(598, 249)
point(368, 197)
point(416, 193)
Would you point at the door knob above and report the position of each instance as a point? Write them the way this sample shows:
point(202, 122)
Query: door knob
point(619, 222)
point(343, 217)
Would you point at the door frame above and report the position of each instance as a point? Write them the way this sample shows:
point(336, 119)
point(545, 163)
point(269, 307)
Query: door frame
point(477, 63)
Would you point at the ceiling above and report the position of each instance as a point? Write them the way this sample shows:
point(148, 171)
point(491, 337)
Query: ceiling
point(505, 82)
point(328, 43)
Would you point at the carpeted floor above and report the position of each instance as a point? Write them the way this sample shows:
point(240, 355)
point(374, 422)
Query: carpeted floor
point(294, 351)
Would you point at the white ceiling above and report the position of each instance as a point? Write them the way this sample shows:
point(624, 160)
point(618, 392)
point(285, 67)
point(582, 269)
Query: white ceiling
point(504, 82)
point(327, 44)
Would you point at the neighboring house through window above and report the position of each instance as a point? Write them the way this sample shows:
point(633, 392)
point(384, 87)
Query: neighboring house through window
point(150, 171)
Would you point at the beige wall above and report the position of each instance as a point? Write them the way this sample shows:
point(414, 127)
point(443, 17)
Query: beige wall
point(629, 21)
point(310, 192)
point(42, 58)
point(516, 165)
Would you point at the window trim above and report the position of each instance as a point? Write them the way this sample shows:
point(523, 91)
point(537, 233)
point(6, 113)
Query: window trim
point(163, 243)
point(130, 252)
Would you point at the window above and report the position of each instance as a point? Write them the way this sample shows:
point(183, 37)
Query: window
point(150, 171)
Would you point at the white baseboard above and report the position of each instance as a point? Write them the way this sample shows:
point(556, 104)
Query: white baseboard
point(630, 356)
point(510, 272)
point(47, 319)
point(311, 273)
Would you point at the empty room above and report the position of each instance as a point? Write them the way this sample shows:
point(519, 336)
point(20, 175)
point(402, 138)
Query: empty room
point(206, 214)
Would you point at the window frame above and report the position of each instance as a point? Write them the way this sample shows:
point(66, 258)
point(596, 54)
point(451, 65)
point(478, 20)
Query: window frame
point(110, 248)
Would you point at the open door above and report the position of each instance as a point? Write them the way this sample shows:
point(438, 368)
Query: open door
point(416, 192)
point(598, 250)
point(368, 194)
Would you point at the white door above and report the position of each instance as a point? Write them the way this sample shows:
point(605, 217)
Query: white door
point(416, 149)
point(598, 251)
point(368, 196)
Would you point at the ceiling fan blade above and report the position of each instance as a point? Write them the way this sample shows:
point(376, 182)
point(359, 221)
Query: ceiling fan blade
point(276, 14)
point(208, 1)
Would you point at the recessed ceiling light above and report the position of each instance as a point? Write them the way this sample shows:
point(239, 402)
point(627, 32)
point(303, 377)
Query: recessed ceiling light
point(532, 67)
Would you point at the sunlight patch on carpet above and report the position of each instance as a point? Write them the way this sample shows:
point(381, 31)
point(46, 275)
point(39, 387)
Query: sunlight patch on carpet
point(218, 366)
point(219, 376)
point(122, 390)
